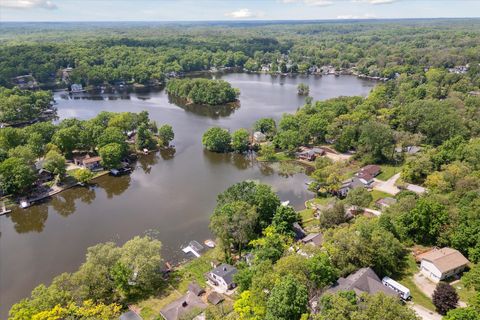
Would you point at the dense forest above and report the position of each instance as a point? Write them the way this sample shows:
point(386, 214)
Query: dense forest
point(106, 53)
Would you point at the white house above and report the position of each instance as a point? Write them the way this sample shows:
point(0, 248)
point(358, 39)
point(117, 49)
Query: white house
point(222, 277)
point(259, 137)
point(439, 264)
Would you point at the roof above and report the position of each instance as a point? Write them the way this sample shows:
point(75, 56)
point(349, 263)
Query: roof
point(371, 169)
point(386, 201)
point(89, 159)
point(130, 315)
point(226, 272)
point(215, 298)
point(364, 280)
point(299, 232)
point(365, 176)
point(314, 238)
point(185, 304)
point(445, 259)
point(353, 183)
point(195, 288)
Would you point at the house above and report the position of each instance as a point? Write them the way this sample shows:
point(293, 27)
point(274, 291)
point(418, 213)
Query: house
point(308, 155)
point(195, 288)
point(364, 280)
point(439, 264)
point(367, 173)
point(88, 162)
point(259, 137)
point(350, 184)
point(25, 82)
point(385, 202)
point(410, 150)
point(222, 277)
point(314, 239)
point(76, 88)
point(129, 315)
point(183, 306)
point(44, 176)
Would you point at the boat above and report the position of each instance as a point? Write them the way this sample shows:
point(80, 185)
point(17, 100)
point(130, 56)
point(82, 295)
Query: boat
point(209, 243)
point(24, 204)
point(285, 203)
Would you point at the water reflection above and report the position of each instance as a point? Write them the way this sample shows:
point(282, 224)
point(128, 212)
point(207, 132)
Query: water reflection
point(147, 162)
point(113, 186)
point(31, 220)
point(213, 112)
point(168, 153)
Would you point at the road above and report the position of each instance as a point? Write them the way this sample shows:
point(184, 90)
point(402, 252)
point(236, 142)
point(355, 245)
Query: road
point(387, 186)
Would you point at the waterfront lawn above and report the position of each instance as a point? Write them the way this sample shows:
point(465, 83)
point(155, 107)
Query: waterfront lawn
point(406, 278)
point(177, 284)
point(388, 171)
point(279, 156)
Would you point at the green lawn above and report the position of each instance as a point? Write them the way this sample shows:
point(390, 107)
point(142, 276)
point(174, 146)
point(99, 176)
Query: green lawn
point(388, 172)
point(465, 294)
point(279, 156)
point(406, 278)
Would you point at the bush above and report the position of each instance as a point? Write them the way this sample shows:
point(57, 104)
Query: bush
point(445, 298)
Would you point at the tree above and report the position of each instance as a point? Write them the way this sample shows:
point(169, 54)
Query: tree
point(234, 224)
point(111, 135)
point(471, 279)
point(240, 140)
point(112, 155)
point(445, 298)
point(55, 163)
point(15, 176)
point(87, 310)
point(267, 152)
point(23, 152)
point(288, 300)
point(333, 215)
point(166, 134)
point(217, 140)
point(321, 271)
point(266, 126)
point(248, 307)
point(144, 138)
point(303, 89)
point(359, 197)
point(288, 140)
point(376, 142)
point(283, 220)
point(271, 246)
point(83, 175)
point(67, 139)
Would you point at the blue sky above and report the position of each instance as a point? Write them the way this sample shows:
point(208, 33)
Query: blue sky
point(191, 10)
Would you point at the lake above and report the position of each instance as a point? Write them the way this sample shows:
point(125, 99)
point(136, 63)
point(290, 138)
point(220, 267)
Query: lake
point(169, 196)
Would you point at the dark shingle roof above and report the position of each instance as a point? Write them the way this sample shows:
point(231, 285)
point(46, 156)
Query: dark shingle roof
point(195, 288)
point(188, 303)
point(226, 272)
point(130, 315)
point(215, 298)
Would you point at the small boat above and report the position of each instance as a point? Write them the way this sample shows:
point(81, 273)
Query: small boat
point(285, 203)
point(209, 243)
point(24, 204)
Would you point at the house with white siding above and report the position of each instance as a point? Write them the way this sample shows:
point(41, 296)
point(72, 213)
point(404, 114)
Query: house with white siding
point(440, 264)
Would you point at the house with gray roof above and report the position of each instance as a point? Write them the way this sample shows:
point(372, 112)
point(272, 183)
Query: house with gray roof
point(364, 280)
point(222, 277)
point(189, 304)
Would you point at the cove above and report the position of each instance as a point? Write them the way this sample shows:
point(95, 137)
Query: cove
point(170, 195)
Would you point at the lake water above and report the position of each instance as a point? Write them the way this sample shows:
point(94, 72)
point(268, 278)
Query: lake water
point(169, 196)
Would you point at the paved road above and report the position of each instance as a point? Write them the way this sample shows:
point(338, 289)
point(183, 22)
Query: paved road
point(387, 186)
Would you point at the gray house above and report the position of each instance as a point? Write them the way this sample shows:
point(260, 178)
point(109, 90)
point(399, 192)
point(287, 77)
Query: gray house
point(188, 304)
point(222, 277)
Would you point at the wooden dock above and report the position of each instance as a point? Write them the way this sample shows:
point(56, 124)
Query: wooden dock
point(4, 209)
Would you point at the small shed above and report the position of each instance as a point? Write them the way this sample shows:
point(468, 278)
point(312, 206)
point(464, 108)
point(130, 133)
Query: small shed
point(195, 288)
point(215, 298)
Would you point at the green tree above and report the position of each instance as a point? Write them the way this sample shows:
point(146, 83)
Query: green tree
point(288, 140)
point(144, 138)
point(166, 134)
point(240, 140)
point(83, 175)
point(333, 215)
point(271, 246)
point(266, 126)
point(112, 155)
point(471, 279)
point(67, 139)
point(321, 271)
point(217, 140)
point(23, 152)
point(15, 176)
point(55, 163)
point(376, 142)
point(303, 89)
point(267, 152)
point(288, 300)
point(283, 220)
point(359, 197)
point(248, 307)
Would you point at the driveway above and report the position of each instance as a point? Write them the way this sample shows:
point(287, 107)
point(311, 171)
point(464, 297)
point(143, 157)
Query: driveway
point(424, 313)
point(387, 186)
point(424, 284)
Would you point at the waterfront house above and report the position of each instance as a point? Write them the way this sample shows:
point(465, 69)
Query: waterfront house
point(44, 176)
point(307, 155)
point(76, 88)
point(259, 137)
point(314, 239)
point(440, 264)
point(364, 280)
point(88, 162)
point(183, 306)
point(350, 184)
point(222, 277)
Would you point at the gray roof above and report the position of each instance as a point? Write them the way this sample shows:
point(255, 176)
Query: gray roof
point(130, 315)
point(215, 298)
point(184, 305)
point(226, 272)
point(195, 288)
point(299, 232)
point(315, 238)
point(364, 280)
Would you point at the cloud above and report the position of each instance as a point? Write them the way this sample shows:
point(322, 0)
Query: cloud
point(27, 4)
point(242, 14)
point(356, 17)
point(323, 3)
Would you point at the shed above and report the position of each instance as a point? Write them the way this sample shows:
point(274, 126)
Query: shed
point(315, 239)
point(215, 298)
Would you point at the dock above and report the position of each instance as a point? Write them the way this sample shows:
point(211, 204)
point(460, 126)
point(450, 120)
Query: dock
point(4, 209)
point(193, 247)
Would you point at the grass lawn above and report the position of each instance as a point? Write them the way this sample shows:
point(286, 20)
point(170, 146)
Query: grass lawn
point(406, 278)
point(464, 293)
point(177, 284)
point(279, 156)
point(388, 172)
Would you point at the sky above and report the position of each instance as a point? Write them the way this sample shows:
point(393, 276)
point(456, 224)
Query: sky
point(214, 10)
